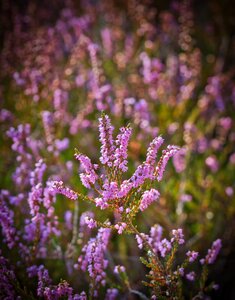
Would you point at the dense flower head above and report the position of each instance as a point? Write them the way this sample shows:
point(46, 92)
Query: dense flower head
point(142, 172)
point(178, 236)
point(58, 187)
point(106, 139)
point(192, 255)
point(37, 174)
point(170, 151)
point(7, 221)
point(153, 149)
point(140, 240)
point(8, 278)
point(19, 136)
point(148, 197)
point(155, 236)
point(120, 154)
point(91, 223)
point(179, 160)
point(93, 256)
point(120, 227)
point(35, 199)
point(89, 177)
point(164, 247)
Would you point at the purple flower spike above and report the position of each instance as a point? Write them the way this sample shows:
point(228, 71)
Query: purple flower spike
point(90, 176)
point(164, 247)
point(170, 151)
point(212, 253)
point(153, 149)
point(58, 187)
point(148, 197)
point(106, 139)
point(120, 154)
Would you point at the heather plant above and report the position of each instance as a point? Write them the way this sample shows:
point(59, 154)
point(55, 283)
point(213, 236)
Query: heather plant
point(125, 198)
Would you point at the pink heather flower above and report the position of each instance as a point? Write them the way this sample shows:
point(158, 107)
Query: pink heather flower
point(83, 218)
point(226, 123)
point(147, 72)
point(184, 198)
point(106, 139)
point(212, 253)
point(148, 197)
point(229, 191)
point(62, 145)
point(90, 176)
point(178, 236)
point(191, 276)
point(107, 40)
point(58, 187)
point(68, 217)
point(155, 236)
point(192, 255)
point(215, 286)
point(125, 188)
point(111, 294)
point(120, 227)
point(82, 296)
point(35, 199)
point(121, 209)
point(179, 160)
point(170, 151)
point(110, 191)
point(232, 158)
point(119, 269)
point(37, 175)
point(172, 128)
point(164, 247)
point(7, 222)
point(142, 172)
point(91, 223)
point(152, 150)
point(212, 163)
point(101, 202)
point(120, 155)
point(181, 271)
point(93, 256)
point(139, 241)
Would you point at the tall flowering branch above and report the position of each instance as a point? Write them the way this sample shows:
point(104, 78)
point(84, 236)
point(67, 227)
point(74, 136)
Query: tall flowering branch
point(7, 221)
point(106, 139)
point(120, 154)
point(93, 259)
point(58, 187)
point(112, 192)
point(89, 176)
point(170, 151)
point(212, 253)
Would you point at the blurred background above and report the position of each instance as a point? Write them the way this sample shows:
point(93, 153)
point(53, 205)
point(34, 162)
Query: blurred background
point(165, 67)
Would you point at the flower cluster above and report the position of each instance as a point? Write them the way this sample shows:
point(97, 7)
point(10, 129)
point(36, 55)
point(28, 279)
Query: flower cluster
point(93, 258)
